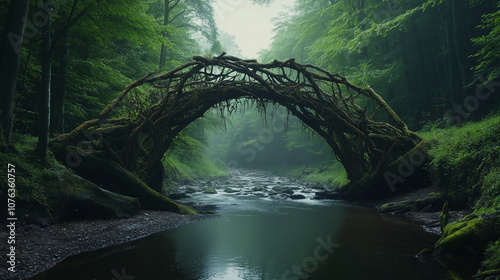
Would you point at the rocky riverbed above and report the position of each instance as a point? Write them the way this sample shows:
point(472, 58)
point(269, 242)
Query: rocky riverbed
point(39, 248)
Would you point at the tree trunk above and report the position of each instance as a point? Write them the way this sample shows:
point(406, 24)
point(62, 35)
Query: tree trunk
point(10, 56)
point(59, 90)
point(44, 104)
point(114, 177)
point(163, 52)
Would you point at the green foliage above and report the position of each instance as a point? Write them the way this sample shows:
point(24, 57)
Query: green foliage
point(266, 139)
point(110, 44)
point(41, 184)
point(178, 168)
point(186, 159)
point(489, 54)
point(271, 139)
point(490, 267)
point(465, 163)
point(328, 174)
point(385, 44)
point(489, 201)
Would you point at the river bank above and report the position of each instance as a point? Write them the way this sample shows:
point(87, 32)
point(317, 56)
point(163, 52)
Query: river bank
point(428, 219)
point(256, 235)
point(40, 248)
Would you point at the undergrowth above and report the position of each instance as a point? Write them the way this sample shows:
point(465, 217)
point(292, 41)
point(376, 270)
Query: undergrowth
point(465, 164)
point(41, 184)
point(332, 175)
point(179, 168)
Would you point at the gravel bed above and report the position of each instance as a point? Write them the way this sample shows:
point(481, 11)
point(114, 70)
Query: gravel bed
point(37, 249)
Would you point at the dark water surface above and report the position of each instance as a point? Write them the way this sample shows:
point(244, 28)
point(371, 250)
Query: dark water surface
point(257, 237)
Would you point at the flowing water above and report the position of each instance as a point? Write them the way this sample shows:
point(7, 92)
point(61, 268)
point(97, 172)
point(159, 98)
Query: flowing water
point(255, 236)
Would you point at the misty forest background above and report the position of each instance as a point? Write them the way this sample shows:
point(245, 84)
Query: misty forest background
point(427, 58)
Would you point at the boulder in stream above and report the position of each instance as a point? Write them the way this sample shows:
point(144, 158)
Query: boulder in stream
point(326, 195)
point(191, 190)
point(230, 190)
point(287, 191)
point(210, 191)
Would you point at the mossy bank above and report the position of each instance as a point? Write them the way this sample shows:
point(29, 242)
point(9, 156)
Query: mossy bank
point(47, 191)
point(465, 167)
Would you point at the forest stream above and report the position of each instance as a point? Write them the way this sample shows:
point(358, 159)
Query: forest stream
point(253, 236)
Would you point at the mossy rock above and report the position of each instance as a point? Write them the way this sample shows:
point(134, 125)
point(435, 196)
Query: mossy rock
point(273, 192)
point(229, 190)
point(432, 203)
point(469, 237)
point(258, 189)
point(210, 191)
point(191, 190)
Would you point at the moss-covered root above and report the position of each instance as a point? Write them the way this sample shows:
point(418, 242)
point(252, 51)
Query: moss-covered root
point(469, 237)
point(116, 178)
point(444, 217)
point(405, 173)
point(433, 202)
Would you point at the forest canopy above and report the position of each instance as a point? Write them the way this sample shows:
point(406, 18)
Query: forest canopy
point(97, 47)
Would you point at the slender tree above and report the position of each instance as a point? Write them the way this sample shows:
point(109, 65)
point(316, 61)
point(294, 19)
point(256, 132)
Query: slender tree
point(10, 55)
point(169, 6)
point(44, 105)
point(179, 14)
point(58, 96)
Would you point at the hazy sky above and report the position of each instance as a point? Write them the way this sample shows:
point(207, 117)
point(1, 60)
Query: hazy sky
point(250, 24)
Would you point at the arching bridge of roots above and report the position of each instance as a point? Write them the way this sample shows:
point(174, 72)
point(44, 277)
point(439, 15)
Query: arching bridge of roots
point(342, 113)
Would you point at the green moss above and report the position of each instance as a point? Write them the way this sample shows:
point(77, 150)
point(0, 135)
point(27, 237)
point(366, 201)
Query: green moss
point(331, 175)
point(489, 200)
point(468, 237)
point(183, 209)
point(210, 191)
point(433, 202)
point(465, 164)
point(36, 179)
point(178, 168)
point(444, 217)
point(45, 189)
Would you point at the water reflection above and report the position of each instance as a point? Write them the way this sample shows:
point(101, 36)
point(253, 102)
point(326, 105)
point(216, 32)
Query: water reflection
point(134, 259)
point(256, 238)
